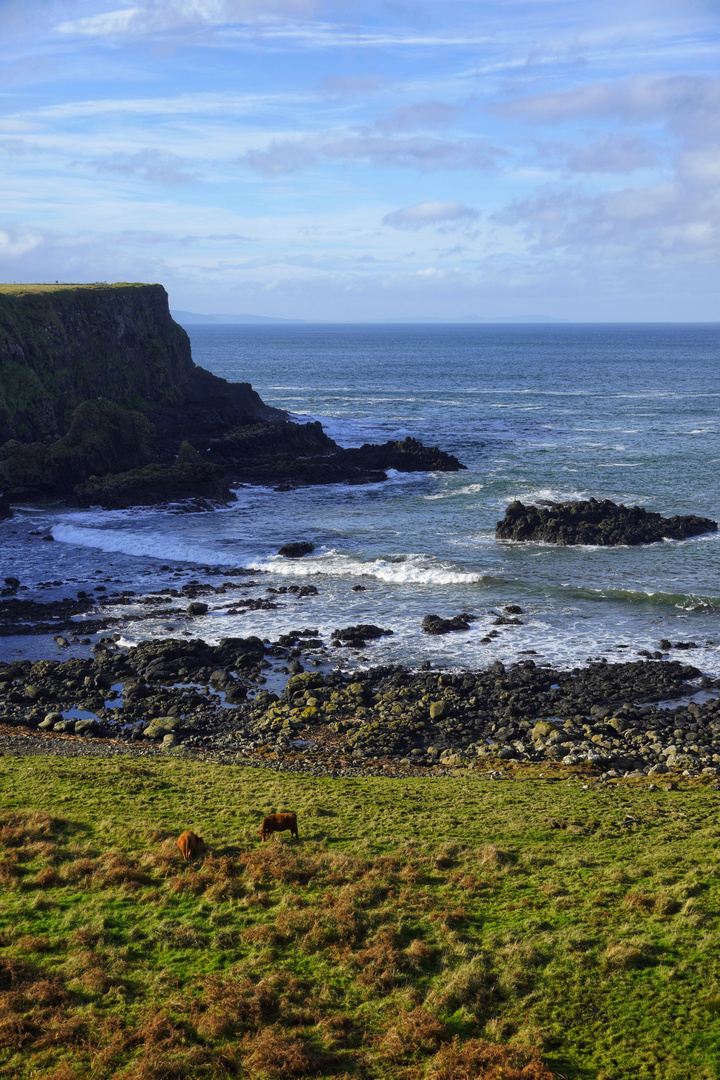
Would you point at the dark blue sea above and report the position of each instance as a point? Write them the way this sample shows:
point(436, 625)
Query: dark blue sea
point(626, 412)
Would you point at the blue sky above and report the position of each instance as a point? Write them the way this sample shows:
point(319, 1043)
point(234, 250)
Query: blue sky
point(368, 160)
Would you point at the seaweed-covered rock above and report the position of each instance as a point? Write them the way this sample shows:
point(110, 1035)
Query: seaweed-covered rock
point(599, 522)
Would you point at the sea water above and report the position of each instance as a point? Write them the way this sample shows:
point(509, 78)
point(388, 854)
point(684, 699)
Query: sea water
point(626, 412)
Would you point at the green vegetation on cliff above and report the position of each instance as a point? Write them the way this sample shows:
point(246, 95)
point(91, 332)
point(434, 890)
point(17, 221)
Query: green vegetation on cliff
point(60, 345)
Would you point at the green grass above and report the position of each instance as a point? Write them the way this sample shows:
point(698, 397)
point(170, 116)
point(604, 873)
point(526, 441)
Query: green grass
point(42, 287)
point(441, 928)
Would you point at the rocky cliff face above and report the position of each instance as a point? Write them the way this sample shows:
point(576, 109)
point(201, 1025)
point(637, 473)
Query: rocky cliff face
point(62, 345)
point(98, 390)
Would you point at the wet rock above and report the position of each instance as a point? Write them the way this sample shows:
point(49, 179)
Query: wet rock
point(357, 636)
point(596, 522)
point(434, 624)
point(297, 549)
point(197, 607)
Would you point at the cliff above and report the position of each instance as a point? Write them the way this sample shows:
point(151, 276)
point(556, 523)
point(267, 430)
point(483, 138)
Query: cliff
point(101, 404)
point(62, 345)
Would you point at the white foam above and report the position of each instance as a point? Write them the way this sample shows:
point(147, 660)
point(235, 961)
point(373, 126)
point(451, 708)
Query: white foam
point(469, 489)
point(406, 569)
point(141, 544)
point(549, 495)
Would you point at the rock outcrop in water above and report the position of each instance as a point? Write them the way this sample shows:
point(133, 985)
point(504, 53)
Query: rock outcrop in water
point(599, 522)
point(98, 388)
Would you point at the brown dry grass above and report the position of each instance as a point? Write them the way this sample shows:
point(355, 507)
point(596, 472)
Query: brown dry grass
point(273, 1053)
point(475, 1059)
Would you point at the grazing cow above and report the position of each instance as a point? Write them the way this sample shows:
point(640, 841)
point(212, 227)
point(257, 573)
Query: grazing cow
point(279, 823)
point(189, 844)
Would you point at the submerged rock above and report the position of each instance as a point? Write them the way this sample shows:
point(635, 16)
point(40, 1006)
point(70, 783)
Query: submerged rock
point(598, 522)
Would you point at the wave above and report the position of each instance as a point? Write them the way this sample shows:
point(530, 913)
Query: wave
point(680, 601)
point(150, 545)
point(406, 569)
point(469, 489)
point(546, 495)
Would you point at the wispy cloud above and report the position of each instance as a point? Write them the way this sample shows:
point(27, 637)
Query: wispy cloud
point(161, 16)
point(154, 166)
point(426, 154)
point(434, 212)
point(686, 103)
point(612, 153)
point(424, 116)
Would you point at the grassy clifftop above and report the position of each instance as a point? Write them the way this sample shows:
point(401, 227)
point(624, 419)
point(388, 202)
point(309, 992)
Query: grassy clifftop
point(60, 345)
point(45, 287)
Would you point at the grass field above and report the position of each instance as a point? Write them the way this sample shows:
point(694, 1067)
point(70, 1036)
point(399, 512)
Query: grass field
point(450, 929)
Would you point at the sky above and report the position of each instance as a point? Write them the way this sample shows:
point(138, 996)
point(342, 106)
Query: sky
point(368, 161)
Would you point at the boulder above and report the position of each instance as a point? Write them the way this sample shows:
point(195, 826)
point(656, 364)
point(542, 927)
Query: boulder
point(598, 522)
point(197, 607)
point(433, 624)
point(357, 636)
point(162, 726)
point(86, 726)
point(297, 549)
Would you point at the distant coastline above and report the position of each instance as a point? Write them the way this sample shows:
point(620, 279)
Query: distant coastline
point(192, 318)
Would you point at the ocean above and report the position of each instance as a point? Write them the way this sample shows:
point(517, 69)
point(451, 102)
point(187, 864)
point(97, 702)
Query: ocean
point(626, 412)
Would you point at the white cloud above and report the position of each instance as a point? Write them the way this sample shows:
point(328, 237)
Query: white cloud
point(429, 213)
point(160, 16)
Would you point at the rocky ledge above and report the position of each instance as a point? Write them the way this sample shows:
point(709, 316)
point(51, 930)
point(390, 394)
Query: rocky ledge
point(598, 522)
point(287, 455)
point(186, 696)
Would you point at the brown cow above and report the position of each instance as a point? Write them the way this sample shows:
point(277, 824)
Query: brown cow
point(279, 823)
point(189, 844)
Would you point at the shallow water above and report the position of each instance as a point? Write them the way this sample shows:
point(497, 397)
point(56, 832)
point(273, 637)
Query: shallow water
point(624, 412)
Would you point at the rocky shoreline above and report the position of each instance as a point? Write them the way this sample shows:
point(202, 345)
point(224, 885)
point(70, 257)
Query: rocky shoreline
point(282, 704)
